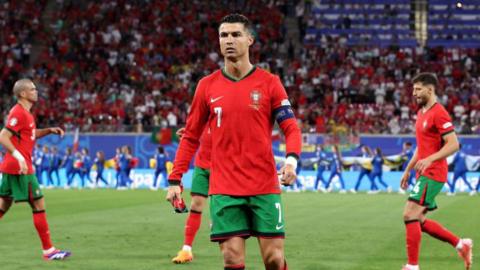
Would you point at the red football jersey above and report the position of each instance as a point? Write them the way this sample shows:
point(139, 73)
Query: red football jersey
point(203, 157)
point(240, 115)
point(21, 123)
point(430, 127)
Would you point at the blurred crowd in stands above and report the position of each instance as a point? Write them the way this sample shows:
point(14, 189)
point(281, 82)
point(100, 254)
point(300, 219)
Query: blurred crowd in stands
point(131, 65)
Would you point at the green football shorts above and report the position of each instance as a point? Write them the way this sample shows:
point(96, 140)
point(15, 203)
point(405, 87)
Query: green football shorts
point(22, 188)
point(425, 191)
point(200, 182)
point(260, 216)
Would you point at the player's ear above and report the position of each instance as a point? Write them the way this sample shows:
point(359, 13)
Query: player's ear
point(251, 38)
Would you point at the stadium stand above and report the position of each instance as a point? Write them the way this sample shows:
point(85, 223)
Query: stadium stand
point(132, 65)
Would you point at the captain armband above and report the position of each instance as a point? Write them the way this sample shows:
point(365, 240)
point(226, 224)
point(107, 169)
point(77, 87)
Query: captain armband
point(283, 113)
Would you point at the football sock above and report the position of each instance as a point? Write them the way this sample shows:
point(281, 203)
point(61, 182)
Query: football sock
point(235, 267)
point(191, 227)
point(436, 230)
point(413, 239)
point(40, 222)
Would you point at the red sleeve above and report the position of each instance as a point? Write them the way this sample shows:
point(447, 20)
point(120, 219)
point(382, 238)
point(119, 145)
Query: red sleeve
point(443, 122)
point(196, 121)
point(289, 126)
point(15, 122)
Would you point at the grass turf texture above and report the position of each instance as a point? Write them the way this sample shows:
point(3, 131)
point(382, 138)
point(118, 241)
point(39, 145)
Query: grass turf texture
point(107, 229)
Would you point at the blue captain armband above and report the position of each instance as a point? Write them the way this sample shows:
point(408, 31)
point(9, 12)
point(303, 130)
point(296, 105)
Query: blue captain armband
point(283, 113)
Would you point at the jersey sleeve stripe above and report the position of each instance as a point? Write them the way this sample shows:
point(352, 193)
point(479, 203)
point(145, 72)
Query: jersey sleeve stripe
point(448, 132)
point(17, 134)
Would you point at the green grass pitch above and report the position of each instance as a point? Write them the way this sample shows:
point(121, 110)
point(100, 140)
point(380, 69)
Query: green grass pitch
point(136, 229)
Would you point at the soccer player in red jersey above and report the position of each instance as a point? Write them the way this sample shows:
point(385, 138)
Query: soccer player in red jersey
point(436, 140)
point(240, 104)
point(199, 193)
point(19, 182)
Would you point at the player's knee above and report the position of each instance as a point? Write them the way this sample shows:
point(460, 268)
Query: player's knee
point(274, 259)
point(232, 256)
point(197, 204)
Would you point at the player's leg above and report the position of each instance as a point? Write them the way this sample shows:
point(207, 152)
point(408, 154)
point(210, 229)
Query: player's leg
point(463, 175)
point(27, 189)
point(380, 179)
point(155, 178)
point(233, 251)
point(359, 180)
point(268, 225)
point(413, 217)
point(199, 192)
point(5, 195)
point(456, 175)
point(230, 225)
point(342, 183)
point(5, 203)
point(102, 178)
point(329, 182)
point(272, 251)
point(436, 230)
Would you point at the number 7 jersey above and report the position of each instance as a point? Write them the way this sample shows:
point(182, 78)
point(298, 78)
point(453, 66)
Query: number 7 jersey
point(240, 115)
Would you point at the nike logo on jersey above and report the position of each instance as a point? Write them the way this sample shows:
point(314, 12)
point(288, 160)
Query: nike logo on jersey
point(212, 100)
point(279, 227)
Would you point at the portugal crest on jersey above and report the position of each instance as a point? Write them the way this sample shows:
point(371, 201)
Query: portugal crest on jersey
point(255, 97)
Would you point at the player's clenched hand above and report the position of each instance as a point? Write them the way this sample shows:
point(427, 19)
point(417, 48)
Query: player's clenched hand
point(57, 130)
point(174, 192)
point(422, 165)
point(288, 175)
point(180, 132)
point(404, 181)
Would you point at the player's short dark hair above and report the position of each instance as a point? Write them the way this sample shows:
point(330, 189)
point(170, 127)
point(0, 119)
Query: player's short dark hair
point(408, 143)
point(237, 18)
point(426, 78)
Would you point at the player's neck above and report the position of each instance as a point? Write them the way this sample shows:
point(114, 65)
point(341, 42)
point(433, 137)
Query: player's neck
point(238, 69)
point(429, 104)
point(25, 104)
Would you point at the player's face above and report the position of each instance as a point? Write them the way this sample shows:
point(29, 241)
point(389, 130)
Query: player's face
point(234, 40)
point(422, 93)
point(30, 93)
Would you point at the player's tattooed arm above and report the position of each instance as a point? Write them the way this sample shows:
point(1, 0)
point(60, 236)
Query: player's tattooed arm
point(5, 141)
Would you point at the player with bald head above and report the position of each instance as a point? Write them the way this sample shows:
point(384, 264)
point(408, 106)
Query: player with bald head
point(19, 182)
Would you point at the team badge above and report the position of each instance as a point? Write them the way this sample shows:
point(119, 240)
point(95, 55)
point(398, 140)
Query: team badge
point(255, 97)
point(13, 122)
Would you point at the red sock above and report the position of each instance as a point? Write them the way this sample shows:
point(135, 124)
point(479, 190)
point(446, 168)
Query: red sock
point(285, 267)
point(40, 222)
point(235, 267)
point(1, 213)
point(191, 227)
point(414, 238)
point(436, 230)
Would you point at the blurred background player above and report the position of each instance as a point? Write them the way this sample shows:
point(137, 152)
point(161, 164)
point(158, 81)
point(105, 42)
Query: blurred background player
point(45, 166)
point(459, 171)
point(54, 165)
point(230, 101)
point(322, 165)
point(199, 193)
point(100, 164)
point(86, 166)
point(161, 159)
point(125, 166)
point(336, 170)
point(67, 164)
point(407, 154)
point(37, 162)
point(436, 140)
point(377, 169)
point(365, 170)
point(77, 170)
point(477, 188)
point(118, 152)
point(19, 183)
